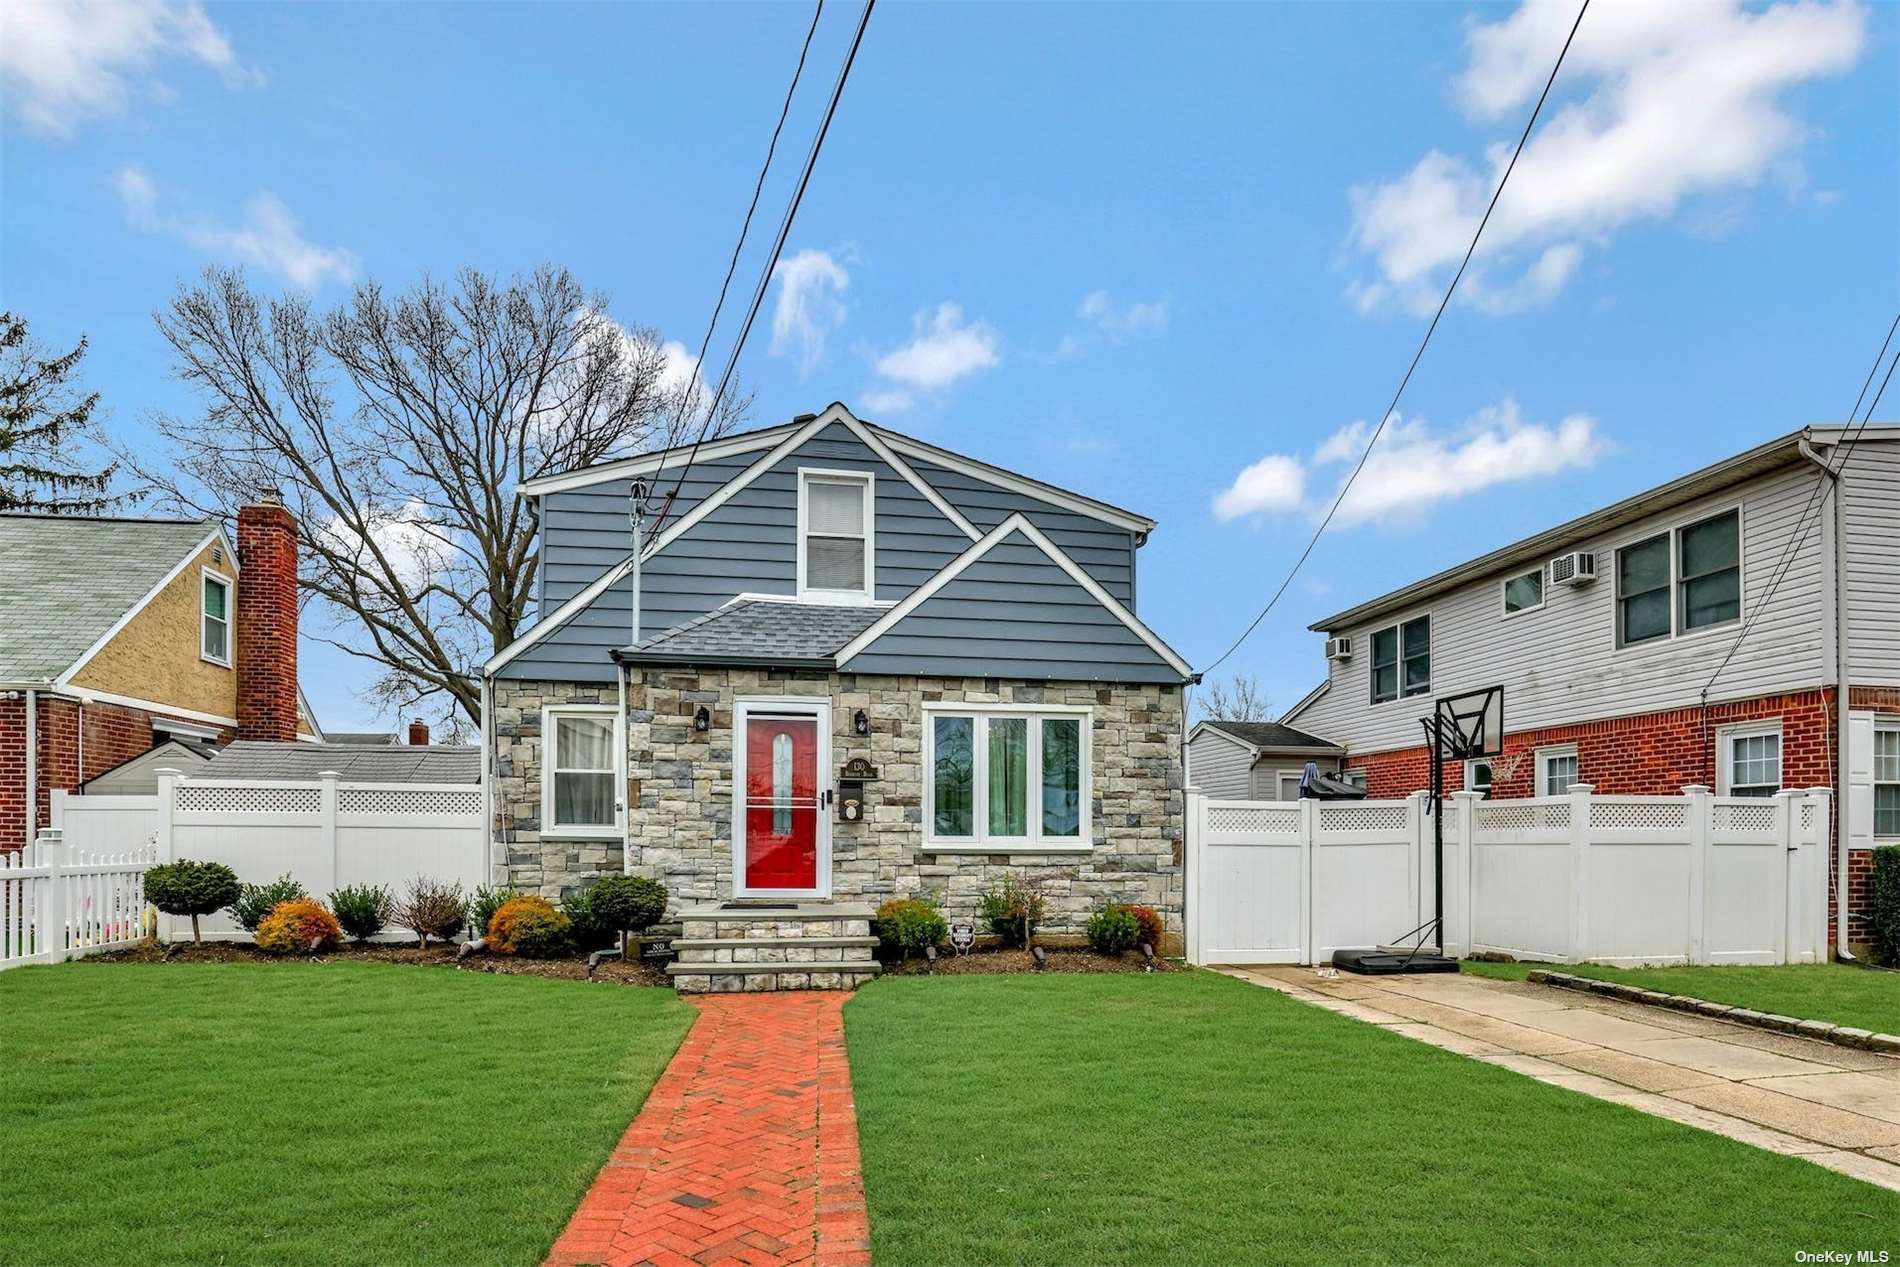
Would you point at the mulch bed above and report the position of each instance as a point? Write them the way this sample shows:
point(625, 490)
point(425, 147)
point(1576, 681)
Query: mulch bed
point(436, 956)
point(986, 962)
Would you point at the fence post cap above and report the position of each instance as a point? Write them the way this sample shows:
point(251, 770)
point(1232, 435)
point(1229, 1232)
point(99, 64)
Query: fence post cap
point(329, 774)
point(1820, 791)
point(50, 835)
point(1468, 794)
point(1694, 789)
point(1582, 789)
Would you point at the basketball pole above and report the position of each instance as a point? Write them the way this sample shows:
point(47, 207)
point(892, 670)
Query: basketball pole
point(1434, 740)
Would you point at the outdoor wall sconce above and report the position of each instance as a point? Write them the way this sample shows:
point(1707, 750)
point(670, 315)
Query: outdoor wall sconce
point(860, 723)
point(702, 720)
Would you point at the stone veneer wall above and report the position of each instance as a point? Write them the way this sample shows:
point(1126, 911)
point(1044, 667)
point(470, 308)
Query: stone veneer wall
point(681, 781)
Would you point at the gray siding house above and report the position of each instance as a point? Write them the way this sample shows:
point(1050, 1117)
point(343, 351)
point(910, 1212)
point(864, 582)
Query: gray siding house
point(865, 667)
point(1255, 760)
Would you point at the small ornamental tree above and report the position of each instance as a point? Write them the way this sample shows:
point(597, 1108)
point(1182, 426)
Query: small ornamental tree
point(627, 904)
point(191, 888)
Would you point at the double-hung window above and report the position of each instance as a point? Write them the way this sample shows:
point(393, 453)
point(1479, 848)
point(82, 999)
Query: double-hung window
point(215, 626)
point(1751, 761)
point(1402, 660)
point(579, 786)
point(1887, 779)
point(836, 558)
point(1010, 779)
point(1699, 563)
point(1556, 770)
point(1642, 591)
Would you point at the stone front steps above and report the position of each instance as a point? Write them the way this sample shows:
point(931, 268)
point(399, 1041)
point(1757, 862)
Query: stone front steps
point(755, 946)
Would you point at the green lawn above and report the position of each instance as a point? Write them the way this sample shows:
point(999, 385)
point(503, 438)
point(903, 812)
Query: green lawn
point(310, 1113)
point(1192, 1118)
point(1836, 992)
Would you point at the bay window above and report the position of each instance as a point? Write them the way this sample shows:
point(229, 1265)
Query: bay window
point(1009, 779)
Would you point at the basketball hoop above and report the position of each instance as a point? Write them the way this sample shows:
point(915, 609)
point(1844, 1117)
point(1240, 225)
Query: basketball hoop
point(1471, 725)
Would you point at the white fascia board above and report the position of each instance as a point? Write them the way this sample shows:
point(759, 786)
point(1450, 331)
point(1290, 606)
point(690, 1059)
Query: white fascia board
point(647, 463)
point(215, 535)
point(989, 541)
point(1015, 483)
point(878, 446)
point(87, 695)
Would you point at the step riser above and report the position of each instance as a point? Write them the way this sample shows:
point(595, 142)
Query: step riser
point(761, 982)
point(753, 928)
point(750, 955)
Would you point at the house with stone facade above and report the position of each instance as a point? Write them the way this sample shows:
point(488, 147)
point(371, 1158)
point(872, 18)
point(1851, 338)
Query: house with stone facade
point(846, 665)
point(1737, 628)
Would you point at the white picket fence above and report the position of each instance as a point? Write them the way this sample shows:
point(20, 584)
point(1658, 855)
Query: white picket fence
point(1694, 878)
point(59, 901)
point(325, 832)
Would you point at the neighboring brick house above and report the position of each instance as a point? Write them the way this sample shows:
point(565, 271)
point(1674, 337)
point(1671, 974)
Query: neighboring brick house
point(128, 639)
point(1703, 637)
point(866, 667)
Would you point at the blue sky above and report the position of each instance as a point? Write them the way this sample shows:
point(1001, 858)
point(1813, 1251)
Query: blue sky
point(1165, 255)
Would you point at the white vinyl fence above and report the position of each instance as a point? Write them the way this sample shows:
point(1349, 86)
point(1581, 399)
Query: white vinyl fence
point(325, 832)
point(59, 901)
point(1694, 878)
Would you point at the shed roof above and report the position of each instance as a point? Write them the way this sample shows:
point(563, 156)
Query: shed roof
point(260, 759)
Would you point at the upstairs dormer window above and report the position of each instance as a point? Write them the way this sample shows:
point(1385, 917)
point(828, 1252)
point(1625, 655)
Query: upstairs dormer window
point(215, 625)
point(836, 550)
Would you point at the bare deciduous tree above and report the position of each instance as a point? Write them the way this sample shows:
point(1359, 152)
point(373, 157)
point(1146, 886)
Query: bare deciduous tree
point(1237, 698)
point(396, 428)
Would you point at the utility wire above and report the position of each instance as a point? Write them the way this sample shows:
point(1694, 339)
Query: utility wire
point(1824, 481)
point(1416, 356)
point(765, 275)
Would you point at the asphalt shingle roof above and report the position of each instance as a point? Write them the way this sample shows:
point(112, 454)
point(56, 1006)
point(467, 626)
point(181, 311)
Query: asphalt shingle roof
point(258, 759)
point(762, 632)
point(64, 581)
point(1270, 734)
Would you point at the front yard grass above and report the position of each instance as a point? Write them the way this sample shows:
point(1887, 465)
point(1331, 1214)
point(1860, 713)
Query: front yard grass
point(1837, 992)
point(310, 1113)
point(1193, 1118)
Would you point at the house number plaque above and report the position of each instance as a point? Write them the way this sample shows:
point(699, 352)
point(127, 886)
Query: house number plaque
point(858, 769)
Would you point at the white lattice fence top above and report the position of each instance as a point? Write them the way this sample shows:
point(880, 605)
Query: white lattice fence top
point(1638, 816)
point(436, 802)
point(1745, 818)
point(1361, 818)
point(215, 798)
point(1253, 820)
point(1807, 816)
point(1505, 819)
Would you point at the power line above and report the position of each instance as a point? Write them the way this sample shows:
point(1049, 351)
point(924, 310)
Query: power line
point(1803, 526)
point(1423, 344)
point(765, 275)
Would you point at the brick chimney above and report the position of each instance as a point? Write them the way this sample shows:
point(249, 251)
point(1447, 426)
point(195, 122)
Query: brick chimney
point(267, 620)
point(418, 733)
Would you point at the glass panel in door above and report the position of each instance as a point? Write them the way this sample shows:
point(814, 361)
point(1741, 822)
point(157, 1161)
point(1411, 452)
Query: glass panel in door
point(781, 803)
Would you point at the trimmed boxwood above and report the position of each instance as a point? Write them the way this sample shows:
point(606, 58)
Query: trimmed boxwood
point(1113, 930)
point(907, 925)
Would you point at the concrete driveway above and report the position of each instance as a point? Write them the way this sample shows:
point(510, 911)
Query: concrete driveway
point(1835, 1106)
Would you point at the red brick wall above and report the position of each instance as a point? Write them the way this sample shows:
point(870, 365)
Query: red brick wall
point(267, 623)
point(12, 772)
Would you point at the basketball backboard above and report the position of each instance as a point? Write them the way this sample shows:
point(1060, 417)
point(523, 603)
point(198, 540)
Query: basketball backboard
point(1470, 725)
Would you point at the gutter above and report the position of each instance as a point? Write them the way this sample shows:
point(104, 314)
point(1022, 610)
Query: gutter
point(828, 664)
point(1842, 693)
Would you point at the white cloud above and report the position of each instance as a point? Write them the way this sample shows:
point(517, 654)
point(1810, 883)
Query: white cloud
point(1125, 322)
point(1683, 99)
point(63, 61)
point(888, 400)
point(1412, 468)
point(404, 535)
point(808, 309)
point(945, 348)
point(267, 237)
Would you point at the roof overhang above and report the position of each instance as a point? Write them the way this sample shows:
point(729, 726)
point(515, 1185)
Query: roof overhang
point(1780, 452)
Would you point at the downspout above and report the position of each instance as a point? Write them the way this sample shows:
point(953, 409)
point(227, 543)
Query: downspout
point(1842, 690)
point(488, 782)
point(32, 764)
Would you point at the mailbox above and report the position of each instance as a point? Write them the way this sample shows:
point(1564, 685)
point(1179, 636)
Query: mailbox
point(851, 780)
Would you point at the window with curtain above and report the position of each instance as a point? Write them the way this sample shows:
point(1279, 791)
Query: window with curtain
point(1709, 572)
point(582, 772)
point(1642, 591)
point(217, 619)
point(1754, 764)
point(1887, 781)
point(836, 535)
point(1015, 779)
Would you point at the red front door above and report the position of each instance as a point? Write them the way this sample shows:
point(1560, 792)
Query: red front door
point(781, 803)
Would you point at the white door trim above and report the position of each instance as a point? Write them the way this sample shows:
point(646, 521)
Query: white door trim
point(743, 708)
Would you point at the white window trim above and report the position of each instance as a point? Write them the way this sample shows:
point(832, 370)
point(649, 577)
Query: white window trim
point(1474, 761)
point(982, 842)
point(1725, 737)
point(609, 831)
point(1674, 533)
point(1889, 725)
point(867, 484)
point(230, 614)
point(1398, 627)
point(1280, 785)
point(1543, 593)
point(1543, 756)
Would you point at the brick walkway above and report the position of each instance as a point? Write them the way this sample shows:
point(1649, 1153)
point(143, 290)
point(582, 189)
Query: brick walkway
point(745, 1152)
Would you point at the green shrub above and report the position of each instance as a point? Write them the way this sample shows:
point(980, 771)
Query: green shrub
point(908, 924)
point(1015, 912)
point(430, 908)
point(1112, 930)
point(530, 927)
point(191, 888)
point(485, 902)
point(585, 924)
point(629, 903)
point(301, 925)
point(255, 901)
point(361, 909)
point(1883, 911)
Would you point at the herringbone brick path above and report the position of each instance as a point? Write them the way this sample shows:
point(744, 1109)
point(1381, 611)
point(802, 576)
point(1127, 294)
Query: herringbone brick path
point(745, 1153)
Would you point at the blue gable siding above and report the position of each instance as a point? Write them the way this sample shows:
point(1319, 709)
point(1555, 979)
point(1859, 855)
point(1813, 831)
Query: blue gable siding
point(1015, 614)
